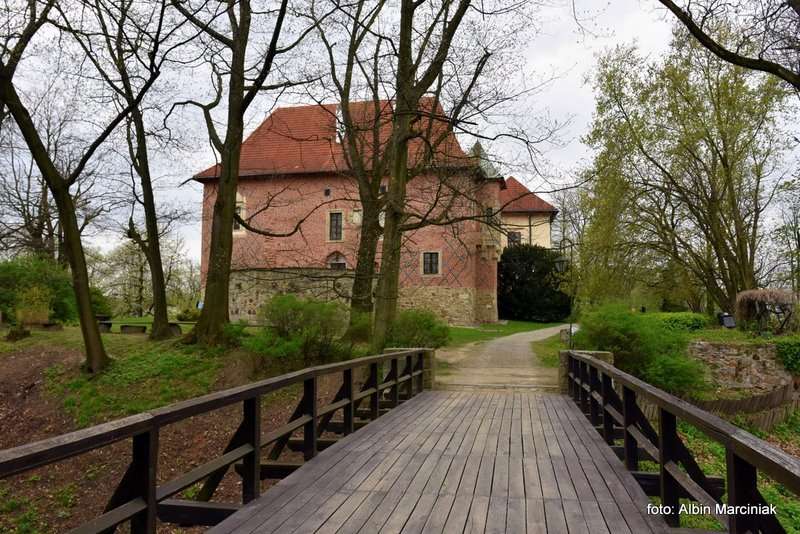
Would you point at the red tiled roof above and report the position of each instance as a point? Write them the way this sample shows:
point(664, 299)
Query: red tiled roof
point(515, 198)
point(302, 140)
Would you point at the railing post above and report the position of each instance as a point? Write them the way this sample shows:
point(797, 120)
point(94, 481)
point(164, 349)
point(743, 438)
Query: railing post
point(741, 481)
point(576, 389)
point(608, 421)
point(570, 385)
point(144, 464)
point(349, 409)
point(594, 406)
point(426, 364)
point(584, 394)
point(310, 409)
point(374, 398)
point(251, 473)
point(394, 391)
point(667, 448)
point(410, 372)
point(629, 419)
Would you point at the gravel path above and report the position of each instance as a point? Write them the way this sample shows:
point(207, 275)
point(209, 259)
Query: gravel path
point(504, 362)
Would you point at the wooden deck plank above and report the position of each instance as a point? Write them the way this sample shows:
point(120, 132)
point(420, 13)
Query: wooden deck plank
point(442, 462)
point(294, 490)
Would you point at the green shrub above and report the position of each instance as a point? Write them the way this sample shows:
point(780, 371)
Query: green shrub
point(33, 305)
point(266, 343)
point(234, 333)
point(360, 328)
point(188, 314)
point(643, 345)
point(788, 351)
point(22, 273)
point(686, 321)
point(528, 285)
point(101, 304)
point(315, 326)
point(418, 328)
point(676, 374)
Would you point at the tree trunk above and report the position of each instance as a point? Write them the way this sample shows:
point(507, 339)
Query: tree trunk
point(96, 357)
point(152, 245)
point(215, 314)
point(140, 292)
point(389, 281)
point(361, 297)
point(406, 105)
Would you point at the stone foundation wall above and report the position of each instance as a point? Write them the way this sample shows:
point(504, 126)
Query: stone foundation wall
point(454, 304)
point(742, 366)
point(252, 288)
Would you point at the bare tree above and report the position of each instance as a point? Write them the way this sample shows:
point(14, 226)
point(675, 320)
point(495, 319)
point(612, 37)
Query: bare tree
point(28, 216)
point(240, 69)
point(27, 20)
point(137, 40)
point(768, 40)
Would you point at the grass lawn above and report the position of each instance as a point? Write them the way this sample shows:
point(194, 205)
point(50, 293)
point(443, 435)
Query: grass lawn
point(727, 335)
point(461, 335)
point(143, 374)
point(546, 350)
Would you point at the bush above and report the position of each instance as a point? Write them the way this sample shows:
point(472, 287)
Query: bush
point(360, 328)
point(188, 314)
point(685, 321)
point(101, 304)
point(676, 374)
point(644, 345)
point(314, 326)
point(418, 328)
point(233, 334)
point(528, 285)
point(788, 351)
point(22, 273)
point(33, 305)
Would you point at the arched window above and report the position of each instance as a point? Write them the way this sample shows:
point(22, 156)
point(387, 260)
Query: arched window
point(336, 261)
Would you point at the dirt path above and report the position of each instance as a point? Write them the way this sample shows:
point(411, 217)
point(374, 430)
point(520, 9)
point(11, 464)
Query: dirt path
point(505, 362)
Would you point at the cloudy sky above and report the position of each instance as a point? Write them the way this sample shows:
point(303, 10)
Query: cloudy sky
point(564, 49)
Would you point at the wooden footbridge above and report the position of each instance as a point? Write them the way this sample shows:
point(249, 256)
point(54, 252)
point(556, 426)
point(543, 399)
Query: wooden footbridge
point(411, 459)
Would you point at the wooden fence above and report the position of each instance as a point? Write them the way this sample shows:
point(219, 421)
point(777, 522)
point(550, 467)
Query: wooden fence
point(138, 497)
point(594, 386)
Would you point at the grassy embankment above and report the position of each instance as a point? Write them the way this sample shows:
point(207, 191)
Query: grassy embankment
point(461, 335)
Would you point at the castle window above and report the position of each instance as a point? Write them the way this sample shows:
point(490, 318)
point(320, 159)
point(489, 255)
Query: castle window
point(335, 226)
point(430, 263)
point(337, 261)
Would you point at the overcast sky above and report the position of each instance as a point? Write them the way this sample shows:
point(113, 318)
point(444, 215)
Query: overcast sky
point(562, 49)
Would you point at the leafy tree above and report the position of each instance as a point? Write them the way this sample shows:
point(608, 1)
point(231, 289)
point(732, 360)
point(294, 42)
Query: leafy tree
point(528, 285)
point(689, 154)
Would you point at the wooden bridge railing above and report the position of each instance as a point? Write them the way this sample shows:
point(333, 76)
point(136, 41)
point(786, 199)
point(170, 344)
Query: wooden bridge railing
point(138, 497)
point(611, 400)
